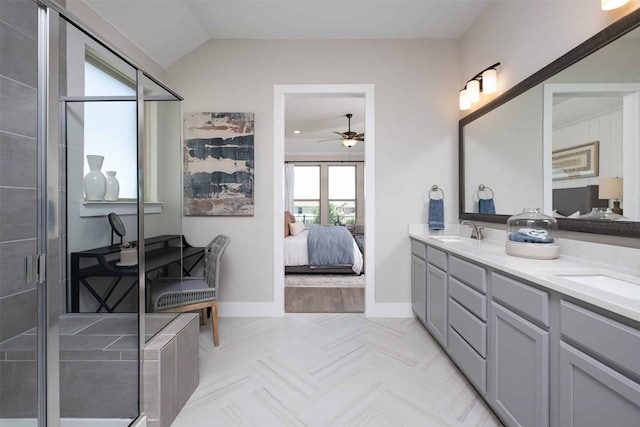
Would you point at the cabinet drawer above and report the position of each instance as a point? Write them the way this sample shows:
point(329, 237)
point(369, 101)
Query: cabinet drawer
point(419, 249)
point(437, 257)
point(530, 301)
point(472, 300)
point(469, 362)
point(469, 327)
point(610, 339)
point(470, 274)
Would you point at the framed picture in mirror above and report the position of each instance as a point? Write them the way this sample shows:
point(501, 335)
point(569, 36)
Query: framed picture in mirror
point(579, 161)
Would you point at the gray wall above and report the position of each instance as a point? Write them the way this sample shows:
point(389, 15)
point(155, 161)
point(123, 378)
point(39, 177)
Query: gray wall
point(18, 161)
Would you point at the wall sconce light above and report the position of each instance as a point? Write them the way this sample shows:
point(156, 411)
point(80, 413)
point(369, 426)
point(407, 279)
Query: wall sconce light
point(612, 4)
point(611, 188)
point(485, 81)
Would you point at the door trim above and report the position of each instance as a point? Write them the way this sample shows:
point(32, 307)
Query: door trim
point(280, 92)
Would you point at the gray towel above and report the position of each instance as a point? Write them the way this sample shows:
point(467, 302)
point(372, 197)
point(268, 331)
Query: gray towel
point(436, 214)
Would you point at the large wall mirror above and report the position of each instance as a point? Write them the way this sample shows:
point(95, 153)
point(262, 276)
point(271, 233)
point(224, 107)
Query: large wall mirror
point(565, 140)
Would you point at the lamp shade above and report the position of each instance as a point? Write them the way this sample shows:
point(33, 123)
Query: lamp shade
point(473, 90)
point(612, 4)
point(610, 188)
point(349, 142)
point(464, 100)
point(490, 80)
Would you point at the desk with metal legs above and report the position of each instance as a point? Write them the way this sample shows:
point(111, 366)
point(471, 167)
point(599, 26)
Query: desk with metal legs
point(160, 252)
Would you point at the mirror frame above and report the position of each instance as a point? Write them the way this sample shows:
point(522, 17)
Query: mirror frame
point(613, 32)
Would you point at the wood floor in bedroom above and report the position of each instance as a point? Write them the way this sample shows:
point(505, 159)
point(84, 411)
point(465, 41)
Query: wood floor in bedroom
point(323, 300)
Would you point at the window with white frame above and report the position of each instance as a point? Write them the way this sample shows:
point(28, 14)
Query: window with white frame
point(110, 128)
point(328, 192)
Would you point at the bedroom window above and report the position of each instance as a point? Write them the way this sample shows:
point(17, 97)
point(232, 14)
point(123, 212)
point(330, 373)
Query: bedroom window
point(328, 192)
point(342, 194)
point(306, 194)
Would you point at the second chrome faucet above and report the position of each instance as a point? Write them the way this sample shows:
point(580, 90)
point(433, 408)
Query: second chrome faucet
point(476, 232)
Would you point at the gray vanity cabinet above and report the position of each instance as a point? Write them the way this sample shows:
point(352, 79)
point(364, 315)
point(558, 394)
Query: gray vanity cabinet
point(595, 389)
point(419, 280)
point(518, 368)
point(437, 303)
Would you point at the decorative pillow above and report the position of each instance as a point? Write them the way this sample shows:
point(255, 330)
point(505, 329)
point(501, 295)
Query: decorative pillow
point(576, 214)
point(287, 221)
point(296, 228)
point(557, 214)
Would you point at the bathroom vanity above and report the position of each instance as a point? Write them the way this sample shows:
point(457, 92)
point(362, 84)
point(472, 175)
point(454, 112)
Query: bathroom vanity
point(545, 343)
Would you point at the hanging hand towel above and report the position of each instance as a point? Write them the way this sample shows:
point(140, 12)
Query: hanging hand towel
point(436, 214)
point(486, 206)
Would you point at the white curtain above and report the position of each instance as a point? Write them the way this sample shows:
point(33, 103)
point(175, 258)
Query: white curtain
point(288, 186)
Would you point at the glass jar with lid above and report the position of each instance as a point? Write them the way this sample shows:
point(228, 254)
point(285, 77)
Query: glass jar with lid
point(532, 234)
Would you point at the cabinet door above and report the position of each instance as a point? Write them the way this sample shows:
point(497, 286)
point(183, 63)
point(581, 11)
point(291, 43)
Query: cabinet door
point(437, 299)
point(419, 288)
point(519, 369)
point(593, 395)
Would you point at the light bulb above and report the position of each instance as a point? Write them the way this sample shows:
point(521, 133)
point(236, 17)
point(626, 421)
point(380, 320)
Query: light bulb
point(490, 80)
point(612, 4)
point(473, 90)
point(464, 101)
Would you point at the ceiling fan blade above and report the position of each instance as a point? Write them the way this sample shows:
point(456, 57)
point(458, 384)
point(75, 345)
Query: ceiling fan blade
point(360, 135)
point(330, 139)
point(340, 133)
point(359, 138)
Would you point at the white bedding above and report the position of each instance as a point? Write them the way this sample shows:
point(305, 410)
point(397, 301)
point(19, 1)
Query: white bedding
point(297, 253)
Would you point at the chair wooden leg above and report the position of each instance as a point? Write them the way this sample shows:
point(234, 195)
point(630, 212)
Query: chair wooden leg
point(203, 316)
point(214, 323)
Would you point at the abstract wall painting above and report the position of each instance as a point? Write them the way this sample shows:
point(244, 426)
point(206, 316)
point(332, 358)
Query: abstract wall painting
point(218, 164)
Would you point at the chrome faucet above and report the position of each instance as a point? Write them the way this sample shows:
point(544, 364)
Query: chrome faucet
point(476, 232)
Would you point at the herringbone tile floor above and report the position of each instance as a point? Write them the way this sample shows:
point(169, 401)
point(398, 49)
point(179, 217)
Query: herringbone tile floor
point(328, 370)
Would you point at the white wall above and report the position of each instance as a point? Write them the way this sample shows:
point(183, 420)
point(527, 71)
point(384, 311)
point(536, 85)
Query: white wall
point(525, 36)
point(102, 27)
point(416, 144)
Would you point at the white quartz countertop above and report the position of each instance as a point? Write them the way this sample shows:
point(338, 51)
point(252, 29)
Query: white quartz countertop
point(547, 273)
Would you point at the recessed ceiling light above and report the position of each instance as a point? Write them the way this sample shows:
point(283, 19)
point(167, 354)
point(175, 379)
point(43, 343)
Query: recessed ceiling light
point(296, 131)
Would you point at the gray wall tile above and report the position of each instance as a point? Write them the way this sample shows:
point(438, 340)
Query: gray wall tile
point(17, 314)
point(99, 389)
point(19, 55)
point(18, 161)
point(22, 15)
point(12, 265)
point(168, 402)
point(18, 214)
point(151, 395)
point(18, 108)
point(187, 362)
point(18, 389)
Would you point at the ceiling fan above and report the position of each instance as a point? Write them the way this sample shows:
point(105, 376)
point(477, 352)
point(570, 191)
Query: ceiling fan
point(348, 138)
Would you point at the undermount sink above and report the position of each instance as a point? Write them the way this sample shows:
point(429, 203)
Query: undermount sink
point(615, 283)
point(450, 238)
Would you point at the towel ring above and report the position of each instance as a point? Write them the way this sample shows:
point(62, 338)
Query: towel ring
point(482, 189)
point(437, 190)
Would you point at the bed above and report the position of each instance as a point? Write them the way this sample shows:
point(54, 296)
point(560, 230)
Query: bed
point(567, 201)
point(296, 257)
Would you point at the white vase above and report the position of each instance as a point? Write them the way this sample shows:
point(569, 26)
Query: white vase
point(113, 187)
point(95, 183)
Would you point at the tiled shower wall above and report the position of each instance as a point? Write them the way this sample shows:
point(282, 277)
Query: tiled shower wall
point(18, 162)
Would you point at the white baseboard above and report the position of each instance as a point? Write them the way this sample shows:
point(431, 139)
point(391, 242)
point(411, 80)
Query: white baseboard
point(249, 309)
point(391, 310)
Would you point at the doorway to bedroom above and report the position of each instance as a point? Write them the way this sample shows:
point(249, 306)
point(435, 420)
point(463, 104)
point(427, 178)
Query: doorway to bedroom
point(324, 223)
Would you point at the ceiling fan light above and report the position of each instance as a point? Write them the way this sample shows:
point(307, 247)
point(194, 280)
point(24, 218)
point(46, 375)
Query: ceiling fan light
point(612, 4)
point(464, 101)
point(349, 142)
point(490, 80)
point(473, 90)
